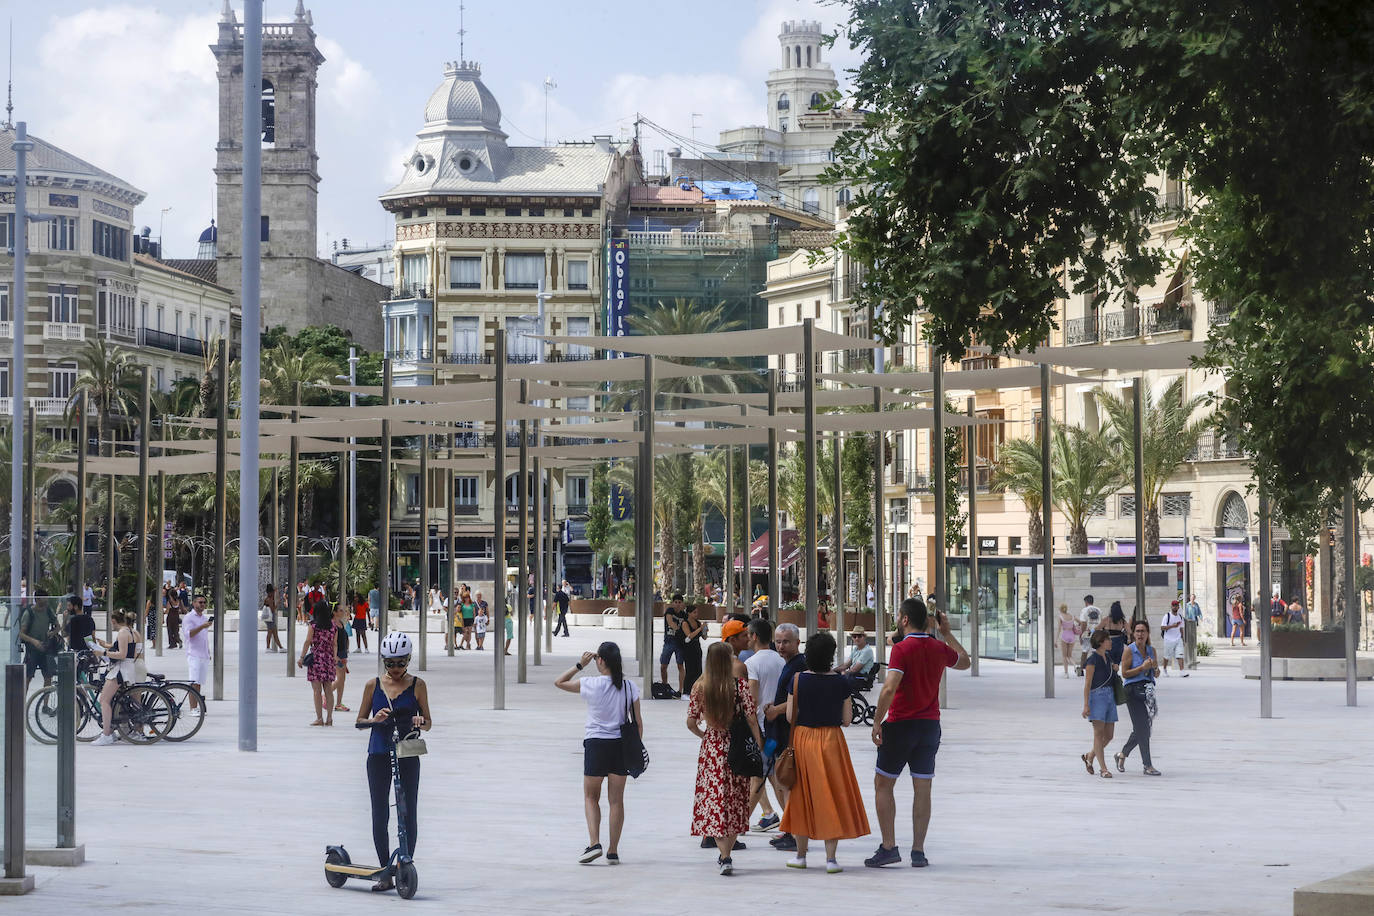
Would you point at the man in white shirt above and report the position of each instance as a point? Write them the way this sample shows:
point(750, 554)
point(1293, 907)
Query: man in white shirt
point(764, 667)
point(1171, 627)
point(861, 658)
point(87, 597)
point(194, 632)
point(1090, 617)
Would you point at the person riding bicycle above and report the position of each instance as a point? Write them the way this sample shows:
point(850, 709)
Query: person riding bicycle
point(394, 705)
point(121, 653)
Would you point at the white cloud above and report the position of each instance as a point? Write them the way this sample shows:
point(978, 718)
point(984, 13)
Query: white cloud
point(138, 100)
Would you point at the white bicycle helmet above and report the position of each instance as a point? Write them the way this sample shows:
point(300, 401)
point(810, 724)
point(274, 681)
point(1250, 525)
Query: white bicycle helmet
point(396, 645)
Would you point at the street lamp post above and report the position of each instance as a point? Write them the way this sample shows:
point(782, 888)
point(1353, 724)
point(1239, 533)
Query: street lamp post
point(19, 312)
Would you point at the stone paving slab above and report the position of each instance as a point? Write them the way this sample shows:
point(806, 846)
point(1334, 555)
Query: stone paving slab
point(1247, 810)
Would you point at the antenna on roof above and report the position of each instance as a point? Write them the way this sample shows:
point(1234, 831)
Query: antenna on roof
point(462, 54)
point(9, 92)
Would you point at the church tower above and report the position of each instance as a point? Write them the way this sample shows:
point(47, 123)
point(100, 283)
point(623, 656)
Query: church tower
point(290, 174)
point(803, 80)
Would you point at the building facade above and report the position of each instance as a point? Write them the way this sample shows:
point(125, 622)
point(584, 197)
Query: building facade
point(298, 289)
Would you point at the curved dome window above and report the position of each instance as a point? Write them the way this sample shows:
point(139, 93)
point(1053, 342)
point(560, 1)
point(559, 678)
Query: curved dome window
point(783, 102)
point(466, 162)
point(816, 100)
point(421, 163)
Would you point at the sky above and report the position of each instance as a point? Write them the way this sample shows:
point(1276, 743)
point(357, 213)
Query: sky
point(131, 87)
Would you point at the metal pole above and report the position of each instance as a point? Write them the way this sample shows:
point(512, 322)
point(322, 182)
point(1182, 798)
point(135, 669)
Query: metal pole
point(14, 764)
point(18, 387)
point(221, 516)
point(937, 457)
point(141, 515)
point(109, 546)
point(644, 561)
point(161, 550)
point(1047, 519)
point(973, 579)
point(344, 522)
point(498, 595)
point(747, 574)
point(352, 452)
point(293, 515)
point(1352, 597)
point(275, 548)
point(880, 626)
point(774, 551)
point(537, 540)
point(1138, 456)
point(451, 587)
point(66, 750)
point(81, 448)
point(809, 444)
point(522, 490)
point(424, 553)
point(1265, 626)
point(384, 518)
point(837, 542)
point(31, 516)
point(550, 570)
point(729, 577)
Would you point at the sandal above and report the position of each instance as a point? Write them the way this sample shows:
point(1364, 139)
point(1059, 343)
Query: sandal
point(1106, 774)
point(339, 707)
point(1120, 763)
point(316, 722)
point(1088, 763)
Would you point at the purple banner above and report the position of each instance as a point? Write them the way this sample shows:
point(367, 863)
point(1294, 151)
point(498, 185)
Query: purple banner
point(1097, 548)
point(1125, 548)
point(1174, 551)
point(1237, 552)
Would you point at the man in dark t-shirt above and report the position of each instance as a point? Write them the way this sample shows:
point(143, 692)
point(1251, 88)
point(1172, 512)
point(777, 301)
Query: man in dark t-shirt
point(906, 725)
point(80, 625)
point(673, 618)
point(560, 598)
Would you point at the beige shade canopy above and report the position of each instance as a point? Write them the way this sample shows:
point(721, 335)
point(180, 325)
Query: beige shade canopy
point(450, 392)
point(168, 464)
point(1119, 357)
point(453, 412)
point(759, 342)
point(626, 369)
point(826, 397)
point(962, 380)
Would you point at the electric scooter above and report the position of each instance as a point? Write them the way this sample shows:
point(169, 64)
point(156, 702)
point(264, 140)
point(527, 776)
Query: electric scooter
point(338, 867)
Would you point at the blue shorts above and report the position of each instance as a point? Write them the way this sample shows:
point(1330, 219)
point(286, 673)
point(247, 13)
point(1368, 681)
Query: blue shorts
point(1102, 704)
point(603, 757)
point(671, 649)
point(909, 743)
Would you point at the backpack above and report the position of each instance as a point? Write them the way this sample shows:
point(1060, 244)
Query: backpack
point(659, 691)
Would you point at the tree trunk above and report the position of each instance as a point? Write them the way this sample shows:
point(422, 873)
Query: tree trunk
point(667, 552)
point(1339, 555)
point(836, 566)
point(1078, 538)
point(1035, 534)
point(699, 561)
point(1152, 531)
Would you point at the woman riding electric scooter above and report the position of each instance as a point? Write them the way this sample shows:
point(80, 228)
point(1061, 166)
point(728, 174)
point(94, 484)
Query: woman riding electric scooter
point(399, 699)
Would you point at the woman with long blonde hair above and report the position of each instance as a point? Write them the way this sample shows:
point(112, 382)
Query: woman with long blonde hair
point(720, 807)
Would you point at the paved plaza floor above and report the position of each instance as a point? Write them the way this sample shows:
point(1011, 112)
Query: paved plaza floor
point(1246, 810)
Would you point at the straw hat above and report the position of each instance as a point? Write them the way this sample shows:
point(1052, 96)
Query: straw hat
point(858, 631)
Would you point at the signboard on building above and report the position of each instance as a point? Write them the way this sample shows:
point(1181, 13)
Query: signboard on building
point(622, 504)
point(618, 289)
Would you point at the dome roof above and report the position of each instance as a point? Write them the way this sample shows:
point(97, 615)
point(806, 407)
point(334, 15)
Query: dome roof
point(462, 98)
point(211, 234)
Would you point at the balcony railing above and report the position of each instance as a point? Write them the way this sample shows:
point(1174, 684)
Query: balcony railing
point(7, 329)
point(578, 508)
point(1160, 320)
point(1081, 331)
point(63, 330)
point(1217, 446)
point(523, 358)
point(1219, 312)
point(899, 471)
point(466, 359)
point(978, 362)
point(410, 355)
point(49, 407)
point(410, 291)
point(465, 509)
point(1121, 325)
point(984, 479)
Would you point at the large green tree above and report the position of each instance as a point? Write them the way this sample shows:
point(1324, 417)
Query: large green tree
point(1009, 138)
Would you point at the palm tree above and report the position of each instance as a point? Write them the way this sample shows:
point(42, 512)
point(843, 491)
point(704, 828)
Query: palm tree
point(1170, 434)
point(686, 316)
point(107, 377)
point(1018, 470)
point(1086, 471)
point(284, 367)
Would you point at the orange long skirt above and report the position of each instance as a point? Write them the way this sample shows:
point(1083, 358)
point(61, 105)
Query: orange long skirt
point(824, 803)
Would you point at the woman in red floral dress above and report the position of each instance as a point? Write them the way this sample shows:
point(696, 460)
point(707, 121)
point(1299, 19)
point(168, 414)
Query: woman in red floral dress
point(720, 806)
point(321, 645)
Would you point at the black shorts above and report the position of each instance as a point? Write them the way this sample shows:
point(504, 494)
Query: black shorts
point(603, 757)
point(909, 743)
point(36, 660)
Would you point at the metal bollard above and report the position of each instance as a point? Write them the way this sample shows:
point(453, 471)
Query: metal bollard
point(66, 750)
point(14, 771)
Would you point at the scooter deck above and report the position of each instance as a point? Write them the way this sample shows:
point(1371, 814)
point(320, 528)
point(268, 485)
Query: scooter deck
point(356, 871)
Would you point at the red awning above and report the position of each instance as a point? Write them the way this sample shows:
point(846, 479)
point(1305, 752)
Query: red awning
point(758, 552)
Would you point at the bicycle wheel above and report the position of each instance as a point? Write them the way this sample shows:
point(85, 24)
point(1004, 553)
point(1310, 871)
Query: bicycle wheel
point(189, 709)
point(88, 719)
point(143, 713)
point(40, 715)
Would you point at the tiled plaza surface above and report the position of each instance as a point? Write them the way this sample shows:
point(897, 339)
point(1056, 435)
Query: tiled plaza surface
point(1246, 809)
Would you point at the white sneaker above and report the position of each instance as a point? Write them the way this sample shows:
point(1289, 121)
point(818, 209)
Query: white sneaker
point(104, 739)
point(832, 867)
point(797, 862)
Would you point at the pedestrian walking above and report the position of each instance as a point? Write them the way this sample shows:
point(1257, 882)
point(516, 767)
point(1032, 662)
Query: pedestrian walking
point(563, 599)
point(471, 604)
point(1068, 636)
point(906, 727)
point(150, 619)
point(195, 633)
point(1138, 668)
point(269, 619)
point(1099, 702)
point(1116, 628)
point(612, 701)
point(510, 626)
point(1171, 631)
point(765, 668)
point(720, 806)
point(1237, 620)
point(121, 652)
point(341, 634)
point(673, 616)
point(359, 623)
point(396, 705)
point(374, 605)
point(1192, 614)
point(319, 658)
point(693, 631)
point(824, 802)
point(480, 623)
point(1089, 618)
point(777, 731)
point(80, 626)
point(41, 636)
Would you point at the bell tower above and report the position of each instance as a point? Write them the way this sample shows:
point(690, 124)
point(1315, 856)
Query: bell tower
point(802, 80)
point(290, 172)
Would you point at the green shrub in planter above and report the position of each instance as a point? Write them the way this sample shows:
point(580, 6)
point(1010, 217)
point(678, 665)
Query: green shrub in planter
point(1204, 648)
point(1290, 628)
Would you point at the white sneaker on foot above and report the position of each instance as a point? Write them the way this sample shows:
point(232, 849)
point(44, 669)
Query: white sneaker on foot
point(104, 739)
point(832, 867)
point(797, 862)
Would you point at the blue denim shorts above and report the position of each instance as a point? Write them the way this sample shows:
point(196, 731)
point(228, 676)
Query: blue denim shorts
point(1102, 704)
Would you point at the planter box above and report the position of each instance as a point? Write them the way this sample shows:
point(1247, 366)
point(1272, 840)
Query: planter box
point(1307, 644)
point(590, 605)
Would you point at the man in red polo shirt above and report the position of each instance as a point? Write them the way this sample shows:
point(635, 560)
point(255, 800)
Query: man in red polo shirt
point(907, 724)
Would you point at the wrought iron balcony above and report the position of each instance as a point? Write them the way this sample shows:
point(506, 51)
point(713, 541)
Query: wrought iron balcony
point(1081, 331)
point(1217, 446)
point(465, 509)
point(577, 508)
point(1219, 312)
point(1161, 320)
point(1121, 325)
point(466, 359)
point(410, 355)
point(410, 291)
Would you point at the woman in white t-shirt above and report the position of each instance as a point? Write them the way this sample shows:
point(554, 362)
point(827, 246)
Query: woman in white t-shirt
point(610, 698)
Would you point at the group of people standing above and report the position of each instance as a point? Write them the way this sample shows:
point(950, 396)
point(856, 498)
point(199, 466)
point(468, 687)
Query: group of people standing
point(1116, 671)
point(769, 714)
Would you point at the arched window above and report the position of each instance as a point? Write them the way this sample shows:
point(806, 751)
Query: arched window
point(811, 200)
point(1235, 517)
point(808, 55)
point(783, 102)
point(817, 100)
point(797, 51)
point(269, 114)
point(60, 491)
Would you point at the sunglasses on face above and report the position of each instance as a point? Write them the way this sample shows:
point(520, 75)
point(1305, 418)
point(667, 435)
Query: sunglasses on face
point(396, 662)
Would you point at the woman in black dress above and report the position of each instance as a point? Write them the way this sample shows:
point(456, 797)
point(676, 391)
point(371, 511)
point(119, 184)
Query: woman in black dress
point(693, 630)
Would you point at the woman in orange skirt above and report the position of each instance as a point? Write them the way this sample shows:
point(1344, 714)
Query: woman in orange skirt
point(824, 802)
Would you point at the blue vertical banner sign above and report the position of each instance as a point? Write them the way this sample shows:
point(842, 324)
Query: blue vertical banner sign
point(618, 298)
point(622, 502)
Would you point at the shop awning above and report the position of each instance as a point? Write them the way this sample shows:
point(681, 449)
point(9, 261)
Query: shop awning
point(789, 554)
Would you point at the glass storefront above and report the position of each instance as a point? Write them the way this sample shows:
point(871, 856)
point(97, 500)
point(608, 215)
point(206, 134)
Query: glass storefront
point(1008, 605)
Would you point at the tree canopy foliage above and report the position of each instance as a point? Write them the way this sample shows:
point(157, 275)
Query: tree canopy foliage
point(1011, 156)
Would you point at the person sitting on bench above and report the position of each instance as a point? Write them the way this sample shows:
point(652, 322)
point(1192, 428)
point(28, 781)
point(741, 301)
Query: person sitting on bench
point(861, 664)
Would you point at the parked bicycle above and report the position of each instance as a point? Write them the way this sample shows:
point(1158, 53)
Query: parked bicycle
point(144, 713)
